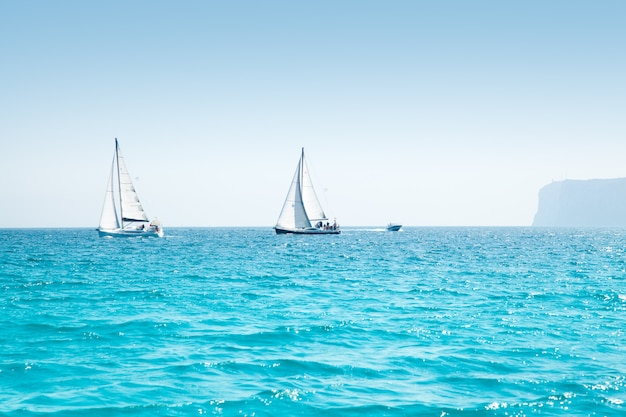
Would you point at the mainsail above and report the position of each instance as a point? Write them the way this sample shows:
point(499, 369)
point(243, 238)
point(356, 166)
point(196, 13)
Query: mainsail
point(131, 208)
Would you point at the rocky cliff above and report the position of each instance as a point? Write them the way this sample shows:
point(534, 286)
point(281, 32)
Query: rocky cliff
point(582, 203)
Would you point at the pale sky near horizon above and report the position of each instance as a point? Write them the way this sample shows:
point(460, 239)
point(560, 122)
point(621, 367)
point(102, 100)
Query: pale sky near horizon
point(428, 113)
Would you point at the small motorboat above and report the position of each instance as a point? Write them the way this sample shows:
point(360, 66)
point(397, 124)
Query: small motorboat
point(394, 227)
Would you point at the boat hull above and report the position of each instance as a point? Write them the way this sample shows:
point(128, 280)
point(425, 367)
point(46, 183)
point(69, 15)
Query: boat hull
point(129, 233)
point(307, 231)
point(394, 227)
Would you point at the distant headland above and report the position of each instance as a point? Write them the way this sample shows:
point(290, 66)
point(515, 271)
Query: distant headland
point(582, 203)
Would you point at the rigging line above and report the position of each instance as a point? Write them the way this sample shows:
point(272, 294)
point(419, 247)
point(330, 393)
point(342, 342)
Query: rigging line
point(326, 203)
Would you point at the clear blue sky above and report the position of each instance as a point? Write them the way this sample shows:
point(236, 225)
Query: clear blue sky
point(420, 112)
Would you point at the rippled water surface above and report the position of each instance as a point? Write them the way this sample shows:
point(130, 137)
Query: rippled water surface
point(242, 322)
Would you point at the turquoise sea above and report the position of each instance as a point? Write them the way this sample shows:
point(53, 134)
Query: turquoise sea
point(242, 322)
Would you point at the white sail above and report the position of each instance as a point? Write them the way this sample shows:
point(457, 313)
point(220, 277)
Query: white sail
point(302, 211)
point(132, 211)
point(310, 201)
point(293, 214)
point(108, 218)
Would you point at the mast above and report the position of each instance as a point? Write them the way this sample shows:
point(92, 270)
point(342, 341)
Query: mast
point(119, 181)
point(300, 183)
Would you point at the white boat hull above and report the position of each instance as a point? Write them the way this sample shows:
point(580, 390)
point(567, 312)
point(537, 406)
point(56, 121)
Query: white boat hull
point(306, 231)
point(129, 233)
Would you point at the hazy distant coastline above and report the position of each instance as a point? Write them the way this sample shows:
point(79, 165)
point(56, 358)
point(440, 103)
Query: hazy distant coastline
point(582, 203)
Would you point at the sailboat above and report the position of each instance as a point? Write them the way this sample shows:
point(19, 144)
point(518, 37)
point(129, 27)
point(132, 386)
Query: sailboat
point(302, 212)
point(121, 194)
